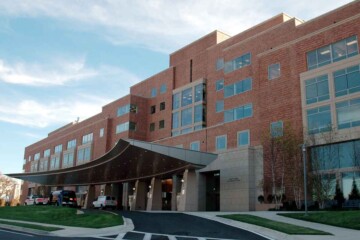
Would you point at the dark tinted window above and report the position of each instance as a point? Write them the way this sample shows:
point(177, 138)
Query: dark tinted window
point(108, 198)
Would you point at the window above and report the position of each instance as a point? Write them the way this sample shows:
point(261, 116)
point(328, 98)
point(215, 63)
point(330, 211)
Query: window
point(34, 167)
point(219, 64)
point(199, 92)
point(83, 155)
point(347, 81)
point(68, 160)
point(186, 97)
point(176, 101)
point(161, 124)
point(348, 113)
point(122, 127)
point(175, 120)
point(101, 132)
point(238, 113)
point(153, 109)
point(199, 115)
point(47, 153)
point(126, 109)
point(162, 106)
point(317, 89)
point(243, 138)
point(55, 162)
point(153, 92)
point(29, 159)
point(71, 144)
point(186, 117)
point(331, 53)
point(152, 127)
point(36, 156)
point(43, 165)
point(221, 143)
point(163, 88)
point(87, 138)
point(237, 63)
point(219, 106)
point(274, 71)
point(238, 87)
point(195, 146)
point(319, 119)
point(58, 148)
point(277, 129)
point(219, 84)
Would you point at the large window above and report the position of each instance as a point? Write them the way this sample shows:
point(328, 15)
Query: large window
point(347, 81)
point(176, 101)
point(83, 155)
point(71, 144)
point(199, 93)
point(331, 53)
point(126, 109)
point(175, 120)
point(243, 138)
point(221, 143)
point(238, 113)
point(43, 165)
point(122, 127)
point(47, 153)
point(238, 87)
point(219, 84)
point(317, 89)
point(186, 117)
point(68, 160)
point(186, 98)
point(199, 115)
point(319, 119)
point(274, 71)
point(237, 63)
point(277, 129)
point(348, 113)
point(87, 138)
point(54, 162)
point(58, 148)
point(36, 156)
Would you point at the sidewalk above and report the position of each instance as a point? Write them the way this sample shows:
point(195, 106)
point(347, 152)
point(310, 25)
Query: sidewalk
point(338, 233)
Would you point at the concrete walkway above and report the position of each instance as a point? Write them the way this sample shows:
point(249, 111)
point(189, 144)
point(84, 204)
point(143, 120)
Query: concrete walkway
point(337, 233)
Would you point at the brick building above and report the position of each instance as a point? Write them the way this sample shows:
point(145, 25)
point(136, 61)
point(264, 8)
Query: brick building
point(218, 96)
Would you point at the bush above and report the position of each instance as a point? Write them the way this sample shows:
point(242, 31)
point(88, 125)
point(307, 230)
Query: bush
point(261, 199)
point(270, 198)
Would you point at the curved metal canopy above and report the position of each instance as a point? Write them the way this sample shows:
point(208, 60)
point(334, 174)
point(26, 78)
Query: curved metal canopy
point(128, 160)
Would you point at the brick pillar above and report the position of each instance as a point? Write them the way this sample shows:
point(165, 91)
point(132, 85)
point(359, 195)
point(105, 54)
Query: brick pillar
point(154, 200)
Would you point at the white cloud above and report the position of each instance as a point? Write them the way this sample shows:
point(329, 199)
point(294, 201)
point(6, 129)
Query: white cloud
point(32, 113)
point(162, 24)
point(56, 73)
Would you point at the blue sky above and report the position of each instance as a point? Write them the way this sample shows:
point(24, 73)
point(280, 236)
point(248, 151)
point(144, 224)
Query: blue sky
point(60, 60)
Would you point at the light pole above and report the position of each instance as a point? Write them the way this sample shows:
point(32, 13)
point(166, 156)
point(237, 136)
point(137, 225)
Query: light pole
point(305, 181)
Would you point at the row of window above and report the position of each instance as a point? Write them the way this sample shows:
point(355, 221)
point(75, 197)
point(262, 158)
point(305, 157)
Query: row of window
point(161, 125)
point(332, 53)
point(153, 108)
point(238, 113)
point(154, 90)
point(122, 127)
point(126, 109)
point(346, 81)
point(185, 97)
point(243, 139)
point(347, 114)
point(238, 87)
point(83, 156)
point(237, 63)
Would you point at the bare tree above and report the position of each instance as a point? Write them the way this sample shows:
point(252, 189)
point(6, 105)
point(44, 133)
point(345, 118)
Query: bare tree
point(7, 186)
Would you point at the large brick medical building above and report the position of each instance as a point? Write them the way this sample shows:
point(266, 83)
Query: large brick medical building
point(189, 137)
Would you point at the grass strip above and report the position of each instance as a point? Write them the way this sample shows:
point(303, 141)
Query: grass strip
point(32, 226)
point(344, 219)
point(275, 225)
point(61, 216)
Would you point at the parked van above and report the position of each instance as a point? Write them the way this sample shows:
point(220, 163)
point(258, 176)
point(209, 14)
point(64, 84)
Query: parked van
point(63, 197)
point(104, 202)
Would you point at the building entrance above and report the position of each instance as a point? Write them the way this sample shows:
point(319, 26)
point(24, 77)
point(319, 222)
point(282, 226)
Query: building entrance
point(166, 194)
point(213, 191)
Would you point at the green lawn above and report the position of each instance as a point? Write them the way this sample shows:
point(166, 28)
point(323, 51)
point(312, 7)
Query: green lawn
point(278, 226)
point(345, 219)
point(33, 226)
point(61, 216)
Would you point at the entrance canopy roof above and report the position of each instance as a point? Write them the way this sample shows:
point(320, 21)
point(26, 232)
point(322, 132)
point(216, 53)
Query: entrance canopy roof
point(129, 160)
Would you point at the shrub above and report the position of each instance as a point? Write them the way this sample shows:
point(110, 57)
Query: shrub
point(261, 199)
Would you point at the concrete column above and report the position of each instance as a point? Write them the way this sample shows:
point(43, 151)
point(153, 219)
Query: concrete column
point(188, 200)
point(139, 202)
point(107, 190)
point(154, 201)
point(176, 188)
point(89, 197)
point(126, 188)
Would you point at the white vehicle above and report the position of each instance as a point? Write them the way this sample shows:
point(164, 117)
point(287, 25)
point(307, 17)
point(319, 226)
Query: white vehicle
point(36, 200)
point(105, 202)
